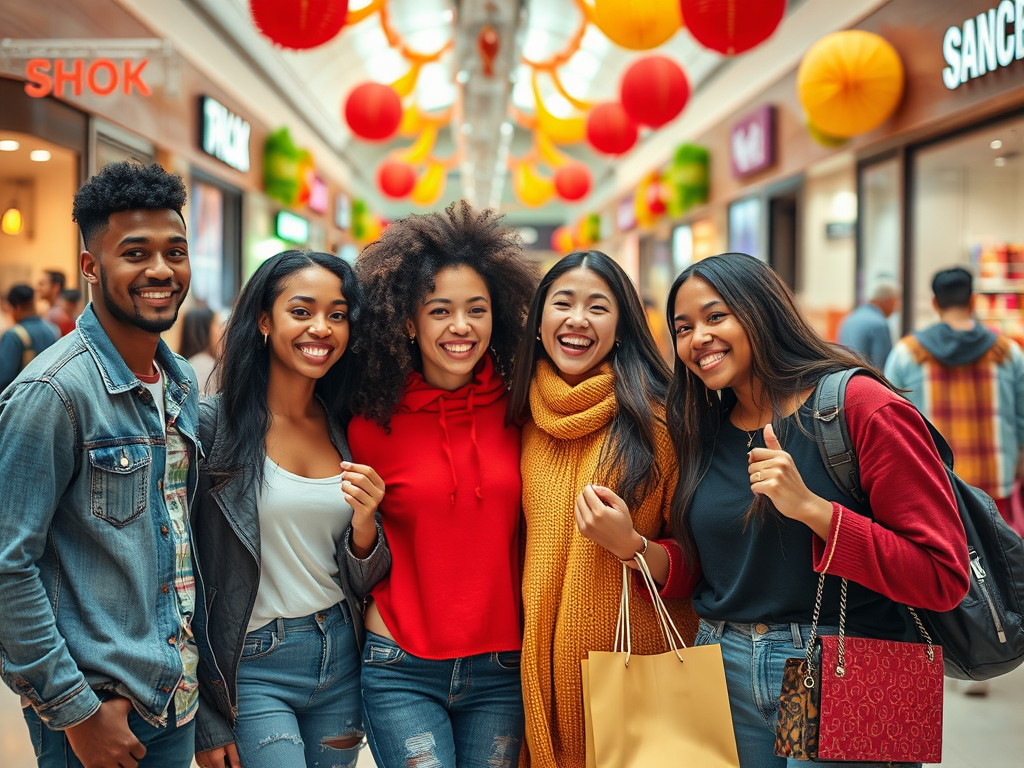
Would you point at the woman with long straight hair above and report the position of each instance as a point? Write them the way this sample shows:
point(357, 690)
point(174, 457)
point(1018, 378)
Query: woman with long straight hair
point(598, 475)
point(286, 537)
point(756, 514)
point(446, 297)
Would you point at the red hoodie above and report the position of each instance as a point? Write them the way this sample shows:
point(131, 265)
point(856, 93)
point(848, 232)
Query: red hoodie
point(451, 514)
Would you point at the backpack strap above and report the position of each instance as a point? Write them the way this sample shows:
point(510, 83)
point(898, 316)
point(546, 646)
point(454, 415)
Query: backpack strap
point(27, 352)
point(833, 436)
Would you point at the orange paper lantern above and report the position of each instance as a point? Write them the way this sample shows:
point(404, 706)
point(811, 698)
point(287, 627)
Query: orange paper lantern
point(562, 240)
point(850, 83)
point(373, 111)
point(654, 91)
point(638, 24)
point(610, 130)
point(299, 24)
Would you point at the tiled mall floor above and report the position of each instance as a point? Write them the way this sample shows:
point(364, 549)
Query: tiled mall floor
point(979, 732)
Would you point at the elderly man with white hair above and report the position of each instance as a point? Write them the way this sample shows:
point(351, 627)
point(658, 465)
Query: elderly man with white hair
point(866, 331)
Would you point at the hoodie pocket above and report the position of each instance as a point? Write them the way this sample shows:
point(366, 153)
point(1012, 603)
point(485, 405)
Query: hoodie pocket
point(119, 482)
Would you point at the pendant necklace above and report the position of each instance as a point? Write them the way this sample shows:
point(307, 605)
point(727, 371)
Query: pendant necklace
point(751, 434)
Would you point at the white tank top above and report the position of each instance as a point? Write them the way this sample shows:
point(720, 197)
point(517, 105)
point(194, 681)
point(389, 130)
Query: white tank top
point(302, 520)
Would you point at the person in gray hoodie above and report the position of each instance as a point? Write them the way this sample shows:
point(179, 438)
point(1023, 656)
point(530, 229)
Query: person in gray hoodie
point(970, 382)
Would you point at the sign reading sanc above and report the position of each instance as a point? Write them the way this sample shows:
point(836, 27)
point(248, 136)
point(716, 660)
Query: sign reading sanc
point(984, 43)
point(753, 142)
point(101, 77)
point(224, 134)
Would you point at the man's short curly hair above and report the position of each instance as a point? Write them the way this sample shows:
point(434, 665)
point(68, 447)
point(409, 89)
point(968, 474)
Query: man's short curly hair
point(125, 186)
point(397, 272)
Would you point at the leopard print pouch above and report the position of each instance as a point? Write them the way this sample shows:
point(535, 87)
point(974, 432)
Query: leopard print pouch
point(799, 711)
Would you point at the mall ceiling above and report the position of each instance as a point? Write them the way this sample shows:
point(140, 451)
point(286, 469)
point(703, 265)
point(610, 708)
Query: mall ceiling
point(316, 82)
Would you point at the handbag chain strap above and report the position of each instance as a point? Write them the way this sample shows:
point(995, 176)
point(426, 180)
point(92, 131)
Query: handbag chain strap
point(841, 651)
point(623, 640)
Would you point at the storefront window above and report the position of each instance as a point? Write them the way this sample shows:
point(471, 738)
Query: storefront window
point(968, 210)
point(745, 227)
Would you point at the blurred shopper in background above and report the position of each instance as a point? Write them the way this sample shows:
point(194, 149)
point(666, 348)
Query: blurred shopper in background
point(866, 331)
point(446, 297)
point(29, 335)
point(757, 515)
point(71, 303)
point(51, 285)
point(200, 342)
point(99, 453)
point(286, 542)
point(598, 477)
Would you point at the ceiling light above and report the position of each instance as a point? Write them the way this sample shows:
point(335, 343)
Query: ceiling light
point(1000, 162)
point(9, 145)
point(12, 221)
point(39, 155)
point(996, 144)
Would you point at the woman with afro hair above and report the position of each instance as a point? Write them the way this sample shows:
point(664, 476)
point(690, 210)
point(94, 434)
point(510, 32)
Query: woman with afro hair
point(446, 299)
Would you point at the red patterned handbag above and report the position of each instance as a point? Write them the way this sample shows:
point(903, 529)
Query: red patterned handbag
point(854, 699)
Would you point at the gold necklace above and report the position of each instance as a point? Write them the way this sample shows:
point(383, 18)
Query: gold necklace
point(751, 433)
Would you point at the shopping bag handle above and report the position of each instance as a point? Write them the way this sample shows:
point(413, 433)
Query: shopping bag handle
point(623, 639)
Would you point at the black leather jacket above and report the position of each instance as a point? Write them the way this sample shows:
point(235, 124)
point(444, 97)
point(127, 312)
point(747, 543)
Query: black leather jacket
point(226, 547)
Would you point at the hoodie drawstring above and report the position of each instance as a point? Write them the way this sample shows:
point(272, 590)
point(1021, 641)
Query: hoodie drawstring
point(448, 452)
point(476, 448)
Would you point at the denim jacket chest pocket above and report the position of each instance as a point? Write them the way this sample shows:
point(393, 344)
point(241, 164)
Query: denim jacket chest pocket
point(119, 482)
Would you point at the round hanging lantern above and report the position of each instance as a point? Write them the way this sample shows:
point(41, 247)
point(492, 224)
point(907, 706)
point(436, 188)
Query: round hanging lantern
point(637, 24)
point(562, 240)
point(299, 24)
point(732, 26)
point(654, 91)
point(610, 130)
point(822, 138)
point(850, 83)
point(395, 178)
point(572, 181)
point(373, 111)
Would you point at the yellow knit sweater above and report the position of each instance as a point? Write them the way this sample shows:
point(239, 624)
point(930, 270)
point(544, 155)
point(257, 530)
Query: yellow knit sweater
point(571, 586)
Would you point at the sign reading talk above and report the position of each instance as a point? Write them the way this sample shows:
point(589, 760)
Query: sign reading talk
point(224, 134)
point(752, 142)
point(101, 77)
point(984, 43)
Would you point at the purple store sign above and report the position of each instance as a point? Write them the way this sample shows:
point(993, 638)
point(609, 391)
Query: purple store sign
point(752, 142)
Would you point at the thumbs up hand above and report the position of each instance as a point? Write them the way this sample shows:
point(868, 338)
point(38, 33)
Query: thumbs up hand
point(774, 473)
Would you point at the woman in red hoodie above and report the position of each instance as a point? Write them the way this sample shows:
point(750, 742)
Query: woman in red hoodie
point(446, 298)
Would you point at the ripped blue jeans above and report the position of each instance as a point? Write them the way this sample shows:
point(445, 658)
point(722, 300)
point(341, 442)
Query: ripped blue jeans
point(298, 693)
point(441, 713)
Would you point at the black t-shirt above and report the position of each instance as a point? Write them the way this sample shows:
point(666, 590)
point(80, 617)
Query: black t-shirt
point(761, 570)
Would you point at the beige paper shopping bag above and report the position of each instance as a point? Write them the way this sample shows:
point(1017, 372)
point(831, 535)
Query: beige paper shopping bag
point(669, 709)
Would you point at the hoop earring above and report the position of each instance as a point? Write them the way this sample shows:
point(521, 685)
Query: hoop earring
point(265, 339)
point(707, 396)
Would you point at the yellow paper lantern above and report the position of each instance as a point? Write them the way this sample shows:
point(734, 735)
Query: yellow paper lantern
point(638, 24)
point(850, 83)
point(12, 221)
point(531, 189)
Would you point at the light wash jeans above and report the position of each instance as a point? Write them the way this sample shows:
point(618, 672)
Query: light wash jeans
point(466, 712)
point(755, 656)
point(169, 747)
point(298, 693)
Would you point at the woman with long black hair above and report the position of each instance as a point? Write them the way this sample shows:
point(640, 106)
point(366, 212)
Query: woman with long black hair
point(598, 475)
point(285, 532)
point(756, 514)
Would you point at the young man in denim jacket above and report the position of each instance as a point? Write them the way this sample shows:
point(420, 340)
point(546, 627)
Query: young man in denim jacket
point(99, 455)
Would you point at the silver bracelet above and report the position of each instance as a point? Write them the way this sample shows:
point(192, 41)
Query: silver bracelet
point(642, 552)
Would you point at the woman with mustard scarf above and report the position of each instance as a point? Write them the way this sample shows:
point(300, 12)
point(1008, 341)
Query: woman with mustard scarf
point(598, 473)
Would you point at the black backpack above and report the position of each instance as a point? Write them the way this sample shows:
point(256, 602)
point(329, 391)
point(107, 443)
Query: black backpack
point(983, 637)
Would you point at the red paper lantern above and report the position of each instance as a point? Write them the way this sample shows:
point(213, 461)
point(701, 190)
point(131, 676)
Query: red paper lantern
point(654, 90)
point(299, 24)
point(572, 181)
point(395, 178)
point(732, 26)
point(610, 130)
point(373, 111)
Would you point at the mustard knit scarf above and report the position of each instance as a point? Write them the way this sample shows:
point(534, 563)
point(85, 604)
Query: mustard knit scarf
point(566, 412)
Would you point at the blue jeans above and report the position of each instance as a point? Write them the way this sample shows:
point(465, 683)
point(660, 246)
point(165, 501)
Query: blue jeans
point(298, 693)
point(755, 656)
point(170, 747)
point(466, 711)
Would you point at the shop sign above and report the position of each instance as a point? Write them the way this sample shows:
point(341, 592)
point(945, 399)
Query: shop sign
point(102, 77)
point(752, 142)
point(984, 43)
point(625, 214)
point(342, 211)
point(319, 195)
point(292, 228)
point(223, 134)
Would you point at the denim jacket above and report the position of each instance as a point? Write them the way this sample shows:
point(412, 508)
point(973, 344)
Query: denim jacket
point(85, 540)
point(227, 549)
